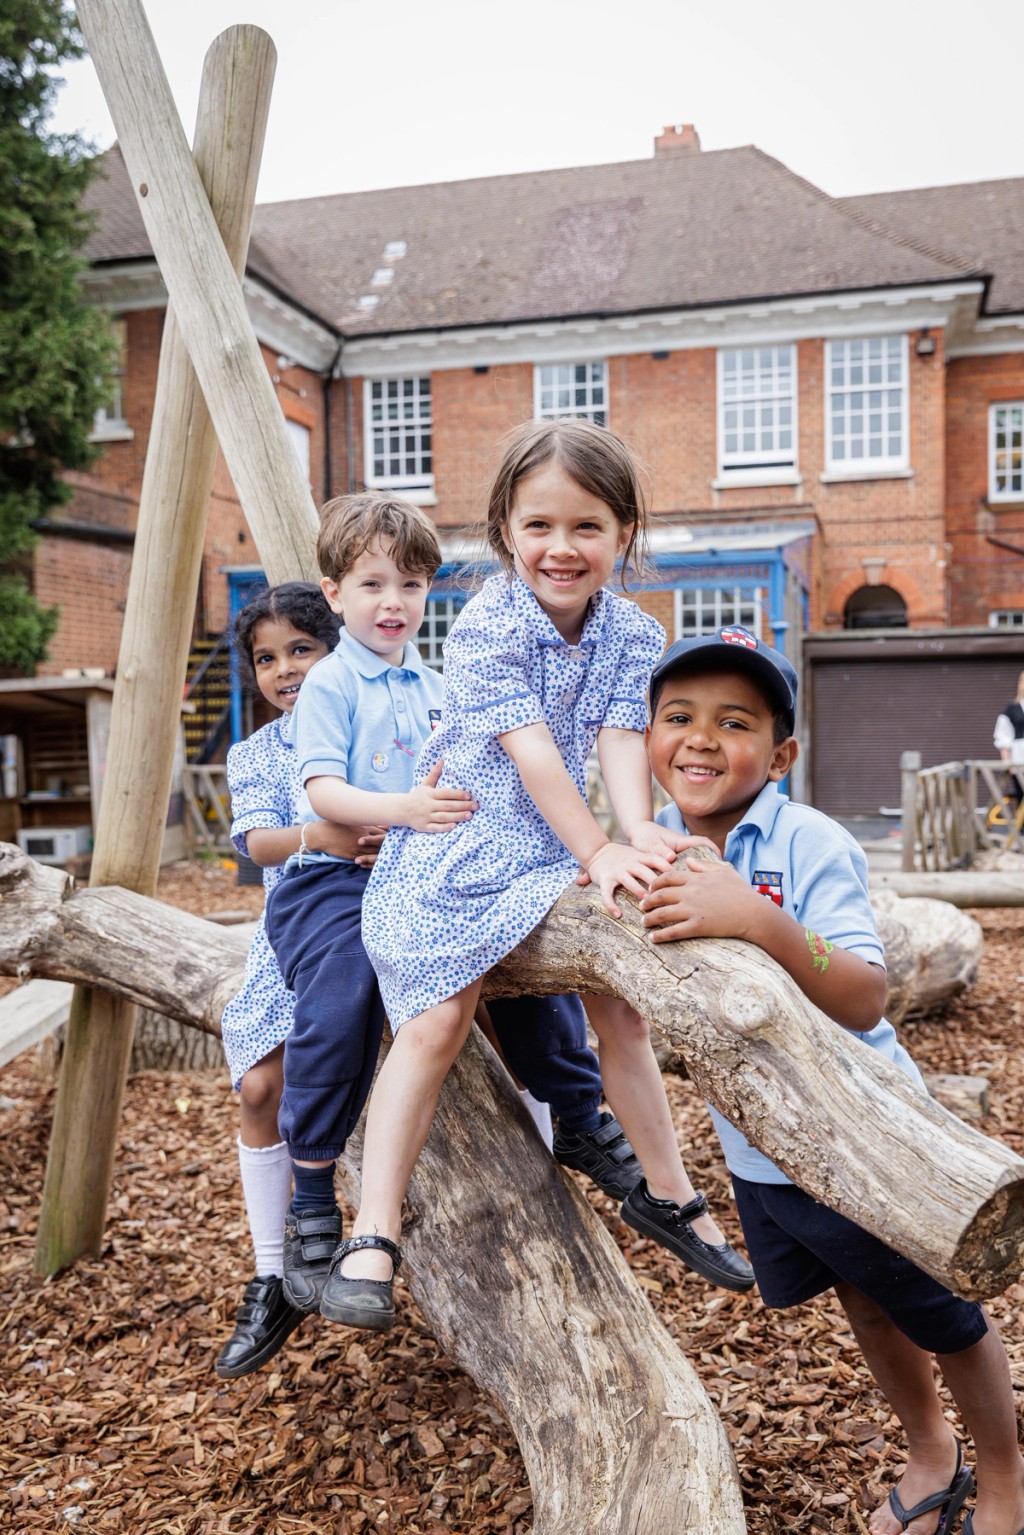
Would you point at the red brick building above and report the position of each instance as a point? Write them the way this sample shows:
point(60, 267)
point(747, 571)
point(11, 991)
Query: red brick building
point(828, 395)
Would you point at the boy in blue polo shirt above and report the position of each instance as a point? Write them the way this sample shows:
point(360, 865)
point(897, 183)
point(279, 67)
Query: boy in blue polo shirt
point(795, 883)
point(360, 720)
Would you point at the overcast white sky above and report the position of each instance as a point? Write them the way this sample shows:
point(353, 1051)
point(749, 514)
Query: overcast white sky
point(372, 93)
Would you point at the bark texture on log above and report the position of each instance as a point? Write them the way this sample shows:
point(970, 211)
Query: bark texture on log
point(945, 944)
point(845, 1124)
point(525, 1289)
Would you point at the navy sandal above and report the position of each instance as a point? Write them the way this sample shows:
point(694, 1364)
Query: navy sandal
point(361, 1302)
point(949, 1501)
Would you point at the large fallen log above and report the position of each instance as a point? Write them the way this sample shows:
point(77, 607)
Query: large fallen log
point(845, 1124)
point(944, 943)
point(992, 887)
point(516, 1275)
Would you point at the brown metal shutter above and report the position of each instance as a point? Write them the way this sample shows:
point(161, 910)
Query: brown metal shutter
point(865, 712)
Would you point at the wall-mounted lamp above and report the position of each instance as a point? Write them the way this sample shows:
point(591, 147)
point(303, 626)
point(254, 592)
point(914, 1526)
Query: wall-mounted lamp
point(659, 356)
point(482, 368)
point(925, 344)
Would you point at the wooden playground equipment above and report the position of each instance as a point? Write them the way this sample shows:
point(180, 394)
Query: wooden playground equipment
point(955, 811)
point(616, 1430)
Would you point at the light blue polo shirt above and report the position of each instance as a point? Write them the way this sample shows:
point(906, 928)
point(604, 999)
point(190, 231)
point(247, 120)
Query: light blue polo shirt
point(359, 718)
point(818, 873)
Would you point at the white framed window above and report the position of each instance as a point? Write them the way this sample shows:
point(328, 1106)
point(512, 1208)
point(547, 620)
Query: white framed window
point(438, 616)
point(109, 421)
point(703, 609)
point(866, 421)
point(300, 438)
point(399, 433)
point(1006, 452)
point(1006, 618)
point(571, 389)
point(756, 409)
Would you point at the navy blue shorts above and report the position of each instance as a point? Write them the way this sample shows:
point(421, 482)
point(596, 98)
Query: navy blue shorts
point(801, 1248)
point(544, 1041)
point(314, 923)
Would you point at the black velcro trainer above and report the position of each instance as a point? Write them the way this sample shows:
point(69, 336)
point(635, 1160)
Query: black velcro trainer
point(310, 1238)
point(264, 1323)
point(669, 1224)
point(603, 1154)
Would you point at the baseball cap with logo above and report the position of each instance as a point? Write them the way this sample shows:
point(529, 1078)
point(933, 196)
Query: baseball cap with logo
point(736, 649)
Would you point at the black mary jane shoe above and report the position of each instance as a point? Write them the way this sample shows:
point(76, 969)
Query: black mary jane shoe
point(668, 1223)
point(361, 1302)
point(264, 1323)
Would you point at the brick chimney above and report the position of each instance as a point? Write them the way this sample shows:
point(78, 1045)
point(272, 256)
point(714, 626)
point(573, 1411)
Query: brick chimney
point(678, 138)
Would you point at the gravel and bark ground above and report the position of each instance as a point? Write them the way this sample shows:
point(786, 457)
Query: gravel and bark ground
point(112, 1418)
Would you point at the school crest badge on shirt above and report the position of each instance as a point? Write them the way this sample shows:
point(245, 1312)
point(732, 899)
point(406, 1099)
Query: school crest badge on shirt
point(434, 717)
point(768, 882)
point(735, 634)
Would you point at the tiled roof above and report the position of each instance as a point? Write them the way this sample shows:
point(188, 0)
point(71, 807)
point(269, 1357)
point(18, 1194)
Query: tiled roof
point(984, 219)
point(675, 231)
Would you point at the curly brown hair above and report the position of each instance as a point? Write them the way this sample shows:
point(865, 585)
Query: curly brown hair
point(350, 524)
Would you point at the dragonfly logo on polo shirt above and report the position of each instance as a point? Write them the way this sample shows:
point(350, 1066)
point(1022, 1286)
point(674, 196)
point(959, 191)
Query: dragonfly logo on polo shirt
point(768, 882)
point(380, 762)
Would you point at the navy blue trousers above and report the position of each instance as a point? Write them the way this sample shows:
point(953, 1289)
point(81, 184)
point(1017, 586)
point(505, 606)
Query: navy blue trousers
point(314, 918)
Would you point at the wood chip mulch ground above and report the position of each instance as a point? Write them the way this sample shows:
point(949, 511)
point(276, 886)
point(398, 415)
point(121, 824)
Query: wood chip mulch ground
point(111, 1418)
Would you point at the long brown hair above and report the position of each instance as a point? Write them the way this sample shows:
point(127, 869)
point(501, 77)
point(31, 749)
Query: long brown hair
point(591, 455)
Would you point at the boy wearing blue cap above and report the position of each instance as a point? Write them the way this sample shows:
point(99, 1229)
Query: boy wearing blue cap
point(795, 883)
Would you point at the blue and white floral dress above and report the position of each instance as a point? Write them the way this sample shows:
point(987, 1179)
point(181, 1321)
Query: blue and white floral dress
point(441, 909)
point(265, 788)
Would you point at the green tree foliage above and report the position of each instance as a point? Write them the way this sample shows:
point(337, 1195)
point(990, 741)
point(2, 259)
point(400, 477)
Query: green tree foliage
point(55, 349)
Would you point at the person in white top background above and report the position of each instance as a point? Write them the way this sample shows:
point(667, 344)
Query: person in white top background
point(1008, 738)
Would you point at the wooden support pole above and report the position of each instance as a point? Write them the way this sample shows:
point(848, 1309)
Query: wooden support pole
point(152, 663)
point(910, 765)
point(203, 288)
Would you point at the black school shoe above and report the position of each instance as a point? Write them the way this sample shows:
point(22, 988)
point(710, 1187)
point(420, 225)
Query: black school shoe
point(264, 1322)
point(310, 1238)
point(668, 1223)
point(604, 1155)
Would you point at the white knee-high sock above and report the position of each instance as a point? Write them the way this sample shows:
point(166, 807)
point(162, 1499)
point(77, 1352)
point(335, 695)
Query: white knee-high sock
point(540, 1113)
point(267, 1186)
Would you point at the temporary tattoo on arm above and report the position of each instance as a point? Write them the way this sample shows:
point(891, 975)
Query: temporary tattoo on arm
point(820, 950)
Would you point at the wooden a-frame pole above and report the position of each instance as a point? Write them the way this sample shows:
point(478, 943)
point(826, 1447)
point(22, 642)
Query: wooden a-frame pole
point(234, 103)
point(203, 288)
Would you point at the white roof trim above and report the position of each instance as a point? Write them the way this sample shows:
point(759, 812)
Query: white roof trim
point(124, 287)
point(878, 312)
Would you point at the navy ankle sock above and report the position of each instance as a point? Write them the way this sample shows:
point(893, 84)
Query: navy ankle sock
point(580, 1124)
point(314, 1188)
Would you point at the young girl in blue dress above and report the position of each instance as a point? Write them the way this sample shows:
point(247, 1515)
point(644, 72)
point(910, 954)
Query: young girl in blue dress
point(279, 635)
point(540, 665)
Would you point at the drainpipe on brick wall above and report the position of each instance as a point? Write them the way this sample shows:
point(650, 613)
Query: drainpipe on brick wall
point(349, 435)
point(327, 382)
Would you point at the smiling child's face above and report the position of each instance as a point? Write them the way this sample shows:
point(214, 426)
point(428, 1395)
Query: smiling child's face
point(281, 657)
point(564, 543)
point(712, 748)
point(381, 604)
